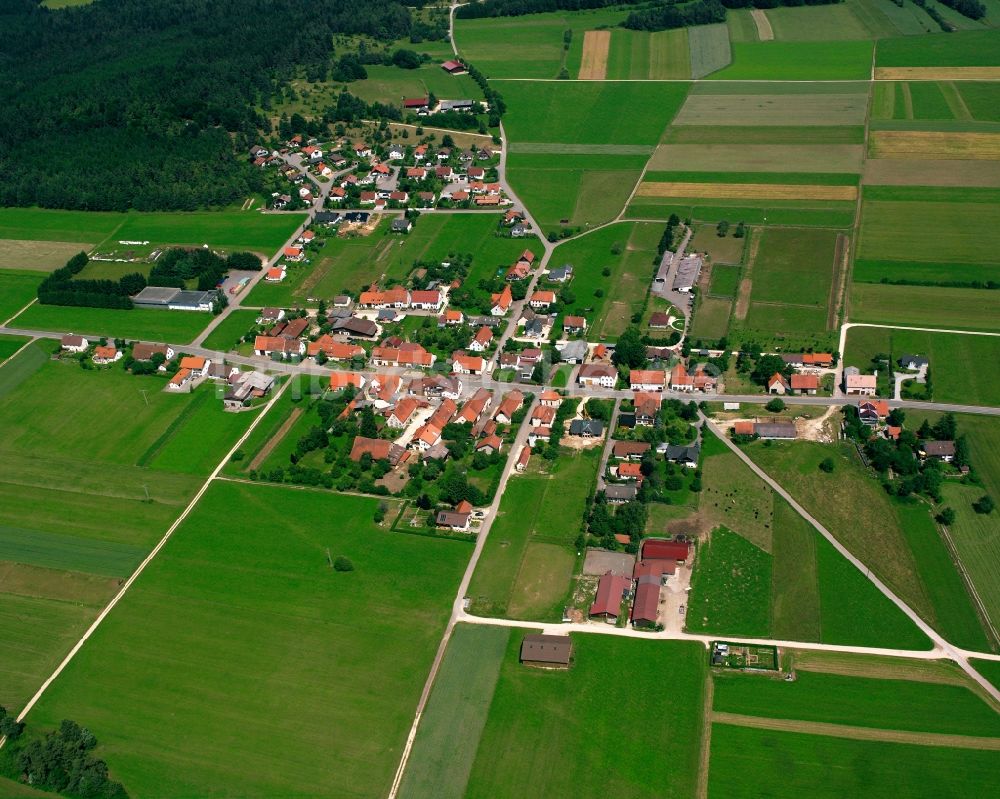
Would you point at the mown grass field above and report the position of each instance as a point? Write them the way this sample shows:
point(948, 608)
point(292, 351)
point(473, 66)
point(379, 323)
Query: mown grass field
point(950, 355)
point(10, 345)
point(40, 224)
point(229, 332)
point(973, 49)
point(456, 712)
point(589, 112)
point(772, 106)
point(183, 659)
point(925, 306)
point(228, 230)
point(176, 327)
point(528, 46)
point(540, 718)
point(17, 289)
point(794, 267)
point(37, 256)
point(520, 574)
point(850, 60)
point(641, 55)
point(901, 553)
point(793, 765)
point(859, 701)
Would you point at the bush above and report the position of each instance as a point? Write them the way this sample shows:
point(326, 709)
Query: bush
point(826, 465)
point(343, 564)
point(946, 516)
point(984, 504)
point(776, 405)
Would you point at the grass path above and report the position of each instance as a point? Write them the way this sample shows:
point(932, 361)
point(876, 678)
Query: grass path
point(705, 755)
point(859, 733)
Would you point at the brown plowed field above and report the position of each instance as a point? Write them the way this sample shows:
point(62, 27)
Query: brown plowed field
point(920, 144)
point(594, 64)
point(774, 191)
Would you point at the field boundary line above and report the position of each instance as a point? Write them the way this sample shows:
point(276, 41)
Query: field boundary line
point(848, 325)
point(970, 586)
point(704, 755)
point(147, 560)
point(859, 733)
point(25, 308)
point(20, 349)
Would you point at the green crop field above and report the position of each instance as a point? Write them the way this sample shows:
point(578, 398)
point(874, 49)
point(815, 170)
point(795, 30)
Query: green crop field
point(794, 267)
point(925, 306)
point(456, 712)
point(949, 355)
point(10, 345)
point(198, 651)
point(798, 61)
point(859, 701)
point(730, 587)
point(589, 112)
point(756, 106)
point(812, 23)
point(69, 552)
point(17, 289)
point(536, 509)
point(982, 100)
point(972, 49)
point(37, 224)
point(794, 765)
point(990, 669)
point(710, 49)
point(909, 561)
point(725, 281)
point(548, 722)
point(926, 272)
point(798, 213)
point(711, 319)
point(623, 291)
point(228, 230)
point(811, 158)
point(975, 539)
point(763, 134)
point(640, 55)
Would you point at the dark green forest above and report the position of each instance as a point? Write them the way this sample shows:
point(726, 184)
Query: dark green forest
point(136, 104)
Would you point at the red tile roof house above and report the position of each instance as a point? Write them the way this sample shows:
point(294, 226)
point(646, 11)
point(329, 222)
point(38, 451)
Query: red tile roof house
point(463, 364)
point(339, 380)
point(379, 449)
point(402, 413)
point(475, 406)
point(805, 384)
point(481, 340)
point(523, 458)
point(776, 384)
point(426, 300)
point(630, 450)
point(279, 345)
point(196, 364)
point(550, 398)
point(334, 350)
point(453, 67)
point(397, 298)
point(647, 379)
point(542, 299)
point(457, 519)
point(629, 471)
point(611, 590)
point(501, 302)
point(646, 604)
point(574, 324)
point(597, 374)
point(543, 416)
point(426, 437)
point(647, 407)
point(492, 443)
point(406, 354)
point(660, 549)
point(108, 354)
point(508, 406)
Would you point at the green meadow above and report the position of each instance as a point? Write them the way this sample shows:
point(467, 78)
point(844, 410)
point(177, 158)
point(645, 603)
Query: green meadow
point(528, 558)
point(962, 49)
point(17, 289)
point(539, 718)
point(254, 617)
point(149, 324)
point(850, 60)
point(925, 306)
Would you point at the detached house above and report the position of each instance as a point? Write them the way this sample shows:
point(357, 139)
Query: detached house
point(647, 379)
point(542, 299)
point(597, 374)
point(278, 345)
point(805, 384)
point(481, 341)
point(776, 384)
point(501, 302)
point(462, 364)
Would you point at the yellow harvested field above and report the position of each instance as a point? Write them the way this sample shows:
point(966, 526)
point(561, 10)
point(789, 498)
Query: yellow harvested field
point(43, 256)
point(594, 64)
point(935, 145)
point(740, 191)
point(937, 73)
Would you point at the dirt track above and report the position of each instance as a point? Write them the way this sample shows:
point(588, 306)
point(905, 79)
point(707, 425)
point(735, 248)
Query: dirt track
point(764, 30)
point(594, 64)
point(859, 733)
point(268, 448)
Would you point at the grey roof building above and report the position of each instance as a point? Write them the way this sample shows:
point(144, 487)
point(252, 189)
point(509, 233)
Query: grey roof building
point(588, 428)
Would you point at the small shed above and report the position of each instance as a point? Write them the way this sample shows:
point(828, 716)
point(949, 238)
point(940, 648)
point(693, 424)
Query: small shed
point(546, 651)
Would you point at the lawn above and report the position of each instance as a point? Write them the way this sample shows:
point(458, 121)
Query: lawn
point(17, 289)
point(231, 330)
point(548, 722)
point(456, 712)
point(920, 306)
point(149, 324)
point(730, 587)
point(711, 319)
point(803, 61)
point(181, 661)
point(949, 355)
point(859, 701)
point(516, 575)
point(725, 281)
point(793, 765)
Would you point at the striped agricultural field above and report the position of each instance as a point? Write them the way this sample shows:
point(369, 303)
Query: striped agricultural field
point(934, 145)
point(741, 191)
point(594, 64)
point(937, 73)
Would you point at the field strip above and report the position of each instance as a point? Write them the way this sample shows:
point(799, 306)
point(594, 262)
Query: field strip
point(276, 439)
point(859, 733)
point(929, 671)
point(776, 191)
point(937, 73)
point(931, 172)
point(921, 329)
point(764, 30)
point(25, 308)
point(704, 755)
point(149, 558)
point(20, 349)
point(935, 144)
point(594, 64)
point(154, 449)
point(558, 148)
